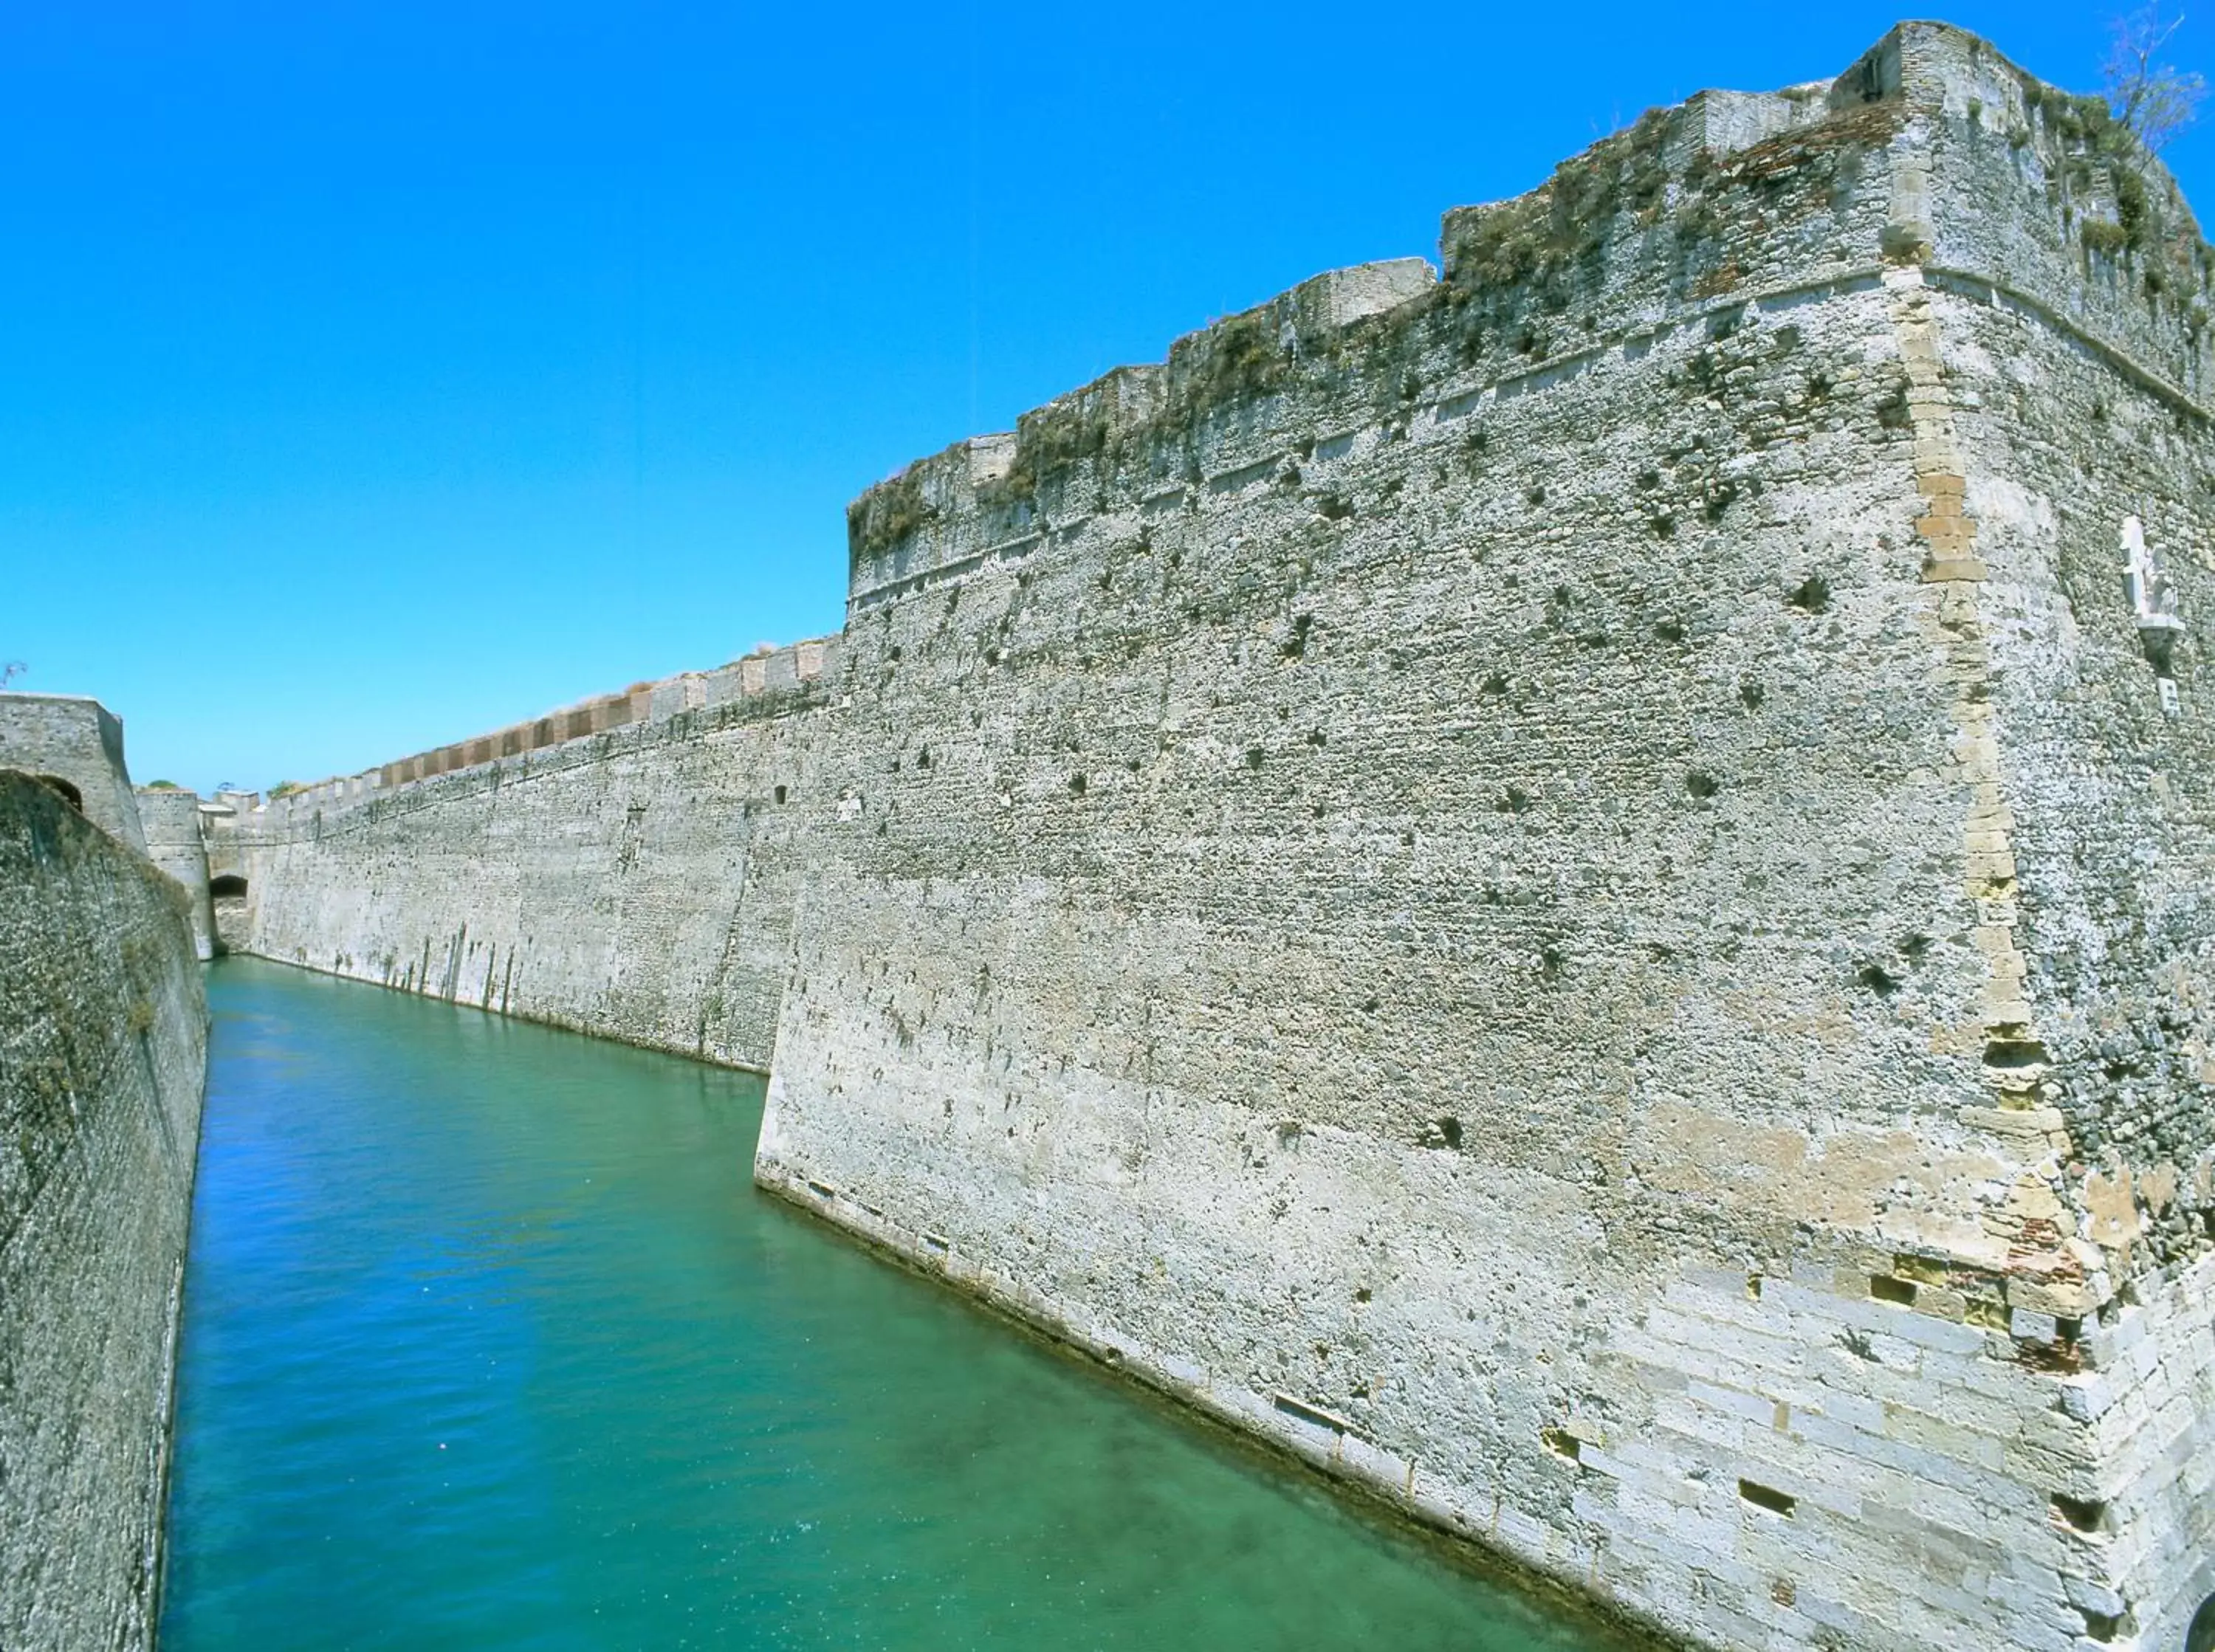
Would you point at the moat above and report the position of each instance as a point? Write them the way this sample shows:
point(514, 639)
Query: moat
point(489, 1341)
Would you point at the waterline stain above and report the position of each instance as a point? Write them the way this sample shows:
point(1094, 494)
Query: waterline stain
point(489, 1341)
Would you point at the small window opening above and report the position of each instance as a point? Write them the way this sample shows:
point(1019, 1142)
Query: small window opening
point(2101, 1627)
point(1767, 1498)
point(2079, 1514)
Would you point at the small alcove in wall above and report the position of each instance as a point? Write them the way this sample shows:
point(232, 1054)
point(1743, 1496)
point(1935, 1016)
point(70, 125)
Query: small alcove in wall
point(67, 790)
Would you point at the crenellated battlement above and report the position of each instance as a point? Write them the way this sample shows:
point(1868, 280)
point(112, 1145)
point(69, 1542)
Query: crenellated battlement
point(766, 671)
point(1933, 149)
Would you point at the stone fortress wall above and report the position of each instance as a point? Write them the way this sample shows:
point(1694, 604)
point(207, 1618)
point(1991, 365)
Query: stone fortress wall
point(1574, 888)
point(627, 868)
point(177, 845)
point(219, 816)
point(103, 1026)
point(75, 745)
point(79, 743)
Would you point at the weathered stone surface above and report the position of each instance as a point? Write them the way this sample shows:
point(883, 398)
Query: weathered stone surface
point(637, 881)
point(176, 844)
point(1576, 889)
point(103, 1032)
point(79, 743)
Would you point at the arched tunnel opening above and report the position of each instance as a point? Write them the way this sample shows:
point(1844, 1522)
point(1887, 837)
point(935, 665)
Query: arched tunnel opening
point(2200, 1637)
point(227, 895)
point(67, 789)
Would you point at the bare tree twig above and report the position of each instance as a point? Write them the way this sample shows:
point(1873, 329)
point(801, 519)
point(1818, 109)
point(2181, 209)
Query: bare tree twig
point(2154, 100)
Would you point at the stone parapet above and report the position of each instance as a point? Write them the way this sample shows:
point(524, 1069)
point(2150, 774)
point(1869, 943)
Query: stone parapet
point(766, 670)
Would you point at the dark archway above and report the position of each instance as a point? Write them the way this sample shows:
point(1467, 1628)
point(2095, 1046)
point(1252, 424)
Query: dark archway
point(67, 789)
point(2201, 1638)
point(227, 897)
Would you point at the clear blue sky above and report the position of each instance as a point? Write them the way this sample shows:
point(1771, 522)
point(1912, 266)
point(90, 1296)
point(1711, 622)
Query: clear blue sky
point(375, 374)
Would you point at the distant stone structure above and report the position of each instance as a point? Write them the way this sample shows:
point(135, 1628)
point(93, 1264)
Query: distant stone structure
point(177, 845)
point(226, 876)
point(104, 1029)
point(627, 869)
point(1578, 889)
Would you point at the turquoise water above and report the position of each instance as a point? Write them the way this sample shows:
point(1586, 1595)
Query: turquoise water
point(490, 1343)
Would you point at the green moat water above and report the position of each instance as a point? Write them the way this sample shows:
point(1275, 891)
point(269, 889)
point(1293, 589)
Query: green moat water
point(490, 1343)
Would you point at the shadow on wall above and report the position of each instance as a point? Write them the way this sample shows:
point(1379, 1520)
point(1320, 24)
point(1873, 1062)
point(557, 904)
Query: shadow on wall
point(69, 792)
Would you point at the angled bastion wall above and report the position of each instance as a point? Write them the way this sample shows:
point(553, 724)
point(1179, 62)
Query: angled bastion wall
point(103, 1032)
point(78, 743)
point(1577, 896)
point(1573, 887)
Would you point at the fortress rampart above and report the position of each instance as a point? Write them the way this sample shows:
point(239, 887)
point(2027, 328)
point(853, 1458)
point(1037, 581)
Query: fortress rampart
point(1576, 887)
point(176, 844)
point(74, 745)
point(103, 1032)
point(628, 867)
point(78, 743)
